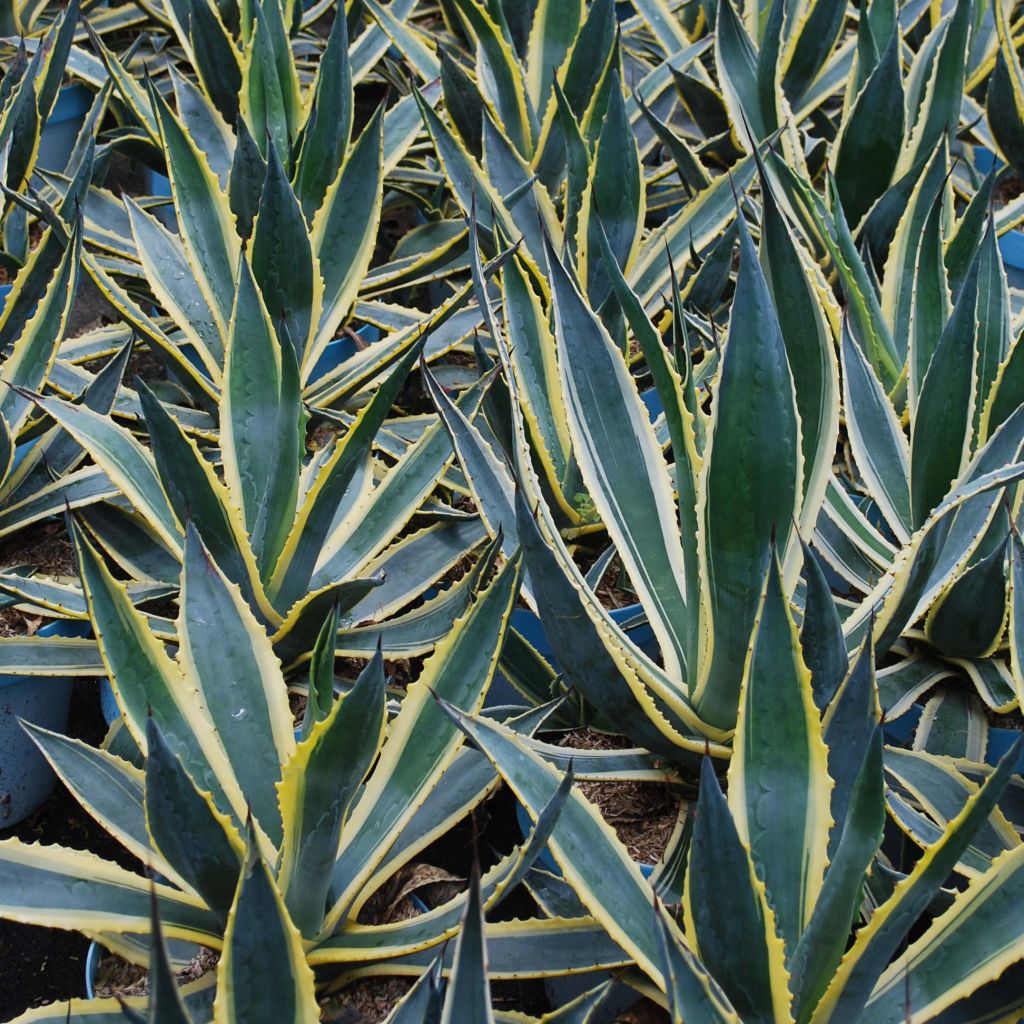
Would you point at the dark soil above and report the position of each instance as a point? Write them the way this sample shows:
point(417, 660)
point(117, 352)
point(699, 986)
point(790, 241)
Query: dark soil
point(1007, 189)
point(645, 1012)
point(45, 546)
point(643, 814)
point(119, 978)
point(44, 965)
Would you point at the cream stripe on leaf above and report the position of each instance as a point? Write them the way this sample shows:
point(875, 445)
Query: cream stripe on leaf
point(148, 683)
point(35, 350)
point(729, 921)
point(343, 234)
point(879, 445)
point(319, 784)
point(110, 789)
point(73, 889)
point(168, 274)
point(747, 491)
point(204, 216)
point(593, 860)
point(972, 943)
point(823, 942)
point(808, 318)
point(262, 424)
point(876, 943)
point(555, 27)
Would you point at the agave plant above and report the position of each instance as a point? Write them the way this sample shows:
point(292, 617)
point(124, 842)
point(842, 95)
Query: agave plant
point(693, 560)
point(43, 469)
point(242, 822)
point(574, 427)
point(1004, 95)
point(309, 193)
point(33, 75)
point(298, 534)
point(776, 871)
point(33, 18)
point(284, 180)
point(265, 159)
point(683, 554)
point(929, 396)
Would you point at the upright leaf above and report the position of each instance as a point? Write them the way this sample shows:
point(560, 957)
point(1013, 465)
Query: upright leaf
point(747, 490)
point(615, 200)
point(262, 431)
point(871, 136)
point(806, 318)
point(469, 994)
point(343, 234)
point(282, 260)
point(323, 140)
point(554, 30)
point(238, 679)
point(727, 916)
point(200, 843)
point(204, 217)
point(261, 943)
point(319, 785)
point(879, 445)
point(779, 786)
point(940, 443)
point(622, 464)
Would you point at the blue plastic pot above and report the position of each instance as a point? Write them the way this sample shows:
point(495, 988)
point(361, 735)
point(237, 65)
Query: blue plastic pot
point(108, 702)
point(340, 349)
point(652, 400)
point(999, 743)
point(5, 290)
point(92, 966)
point(95, 954)
point(60, 133)
point(899, 731)
point(156, 184)
point(336, 352)
point(1011, 244)
point(20, 452)
point(26, 778)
